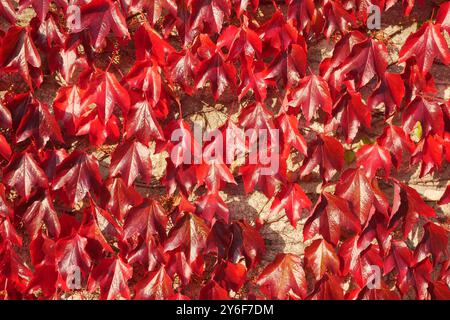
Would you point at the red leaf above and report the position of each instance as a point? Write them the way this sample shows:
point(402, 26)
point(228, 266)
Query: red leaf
point(18, 54)
point(350, 112)
point(443, 16)
point(105, 91)
point(331, 218)
point(122, 199)
point(215, 69)
point(98, 17)
point(147, 220)
point(142, 123)
point(313, 93)
point(77, 176)
point(374, 157)
point(425, 45)
point(367, 59)
point(292, 199)
point(111, 275)
point(428, 112)
point(283, 276)
point(325, 152)
point(213, 291)
point(357, 190)
point(42, 212)
point(189, 236)
point(24, 174)
point(321, 258)
point(390, 92)
point(156, 285)
point(291, 136)
point(5, 149)
point(70, 254)
point(408, 205)
point(434, 241)
point(231, 276)
point(130, 160)
point(397, 142)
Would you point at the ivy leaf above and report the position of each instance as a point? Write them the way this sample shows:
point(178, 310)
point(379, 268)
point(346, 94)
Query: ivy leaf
point(425, 110)
point(357, 190)
point(156, 285)
point(325, 152)
point(373, 157)
point(283, 276)
point(331, 218)
point(71, 253)
point(98, 17)
point(111, 275)
point(408, 205)
point(313, 93)
point(292, 199)
point(42, 212)
point(425, 45)
point(397, 142)
point(321, 258)
point(24, 174)
point(78, 175)
point(220, 73)
point(130, 160)
point(188, 236)
point(19, 54)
